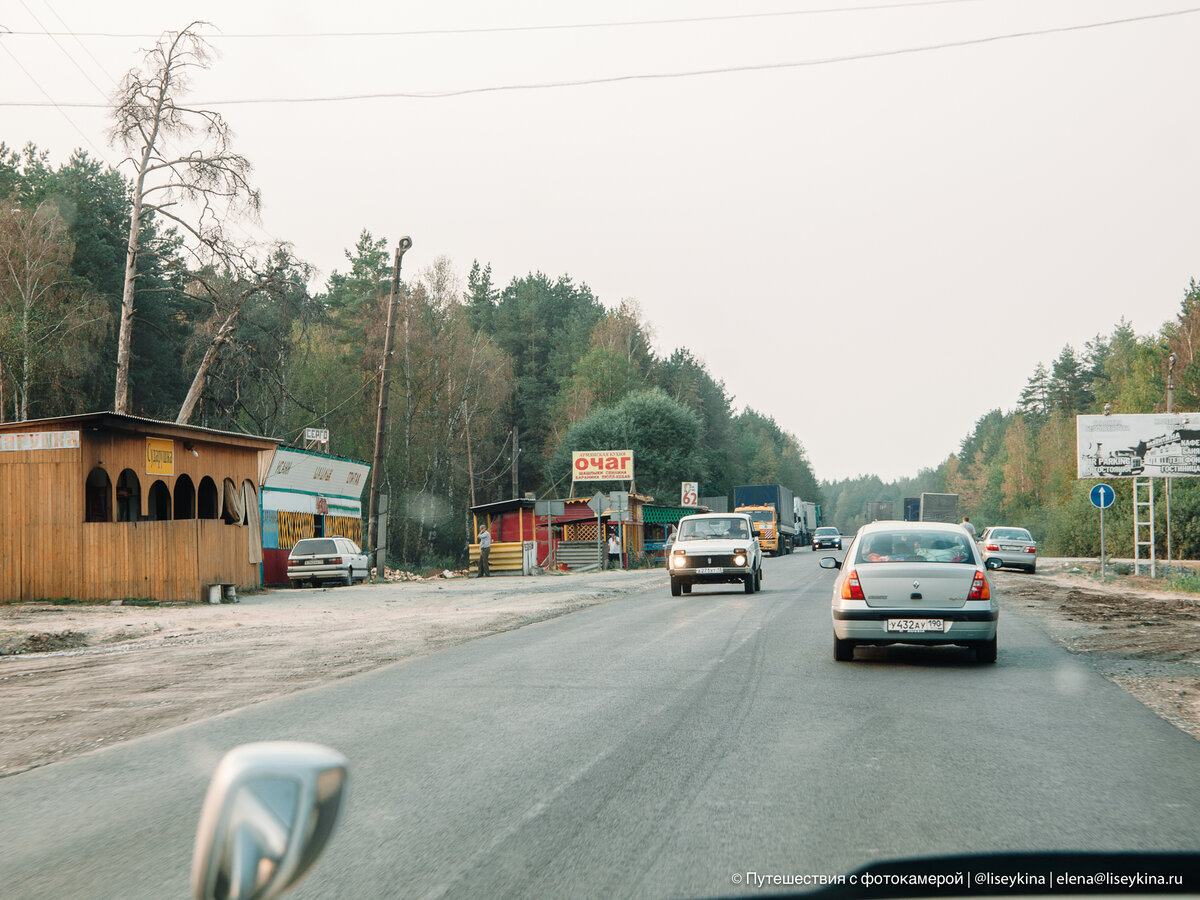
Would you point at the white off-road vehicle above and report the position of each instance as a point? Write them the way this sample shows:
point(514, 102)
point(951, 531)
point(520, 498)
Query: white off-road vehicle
point(715, 548)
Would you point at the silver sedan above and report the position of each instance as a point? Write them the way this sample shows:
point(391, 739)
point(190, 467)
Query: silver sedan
point(1012, 546)
point(912, 583)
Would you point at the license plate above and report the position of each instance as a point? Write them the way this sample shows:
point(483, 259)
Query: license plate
point(712, 570)
point(915, 626)
point(1011, 547)
point(313, 562)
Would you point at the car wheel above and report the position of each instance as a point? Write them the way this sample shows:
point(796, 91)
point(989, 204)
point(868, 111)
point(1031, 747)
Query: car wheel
point(985, 651)
point(297, 583)
point(748, 584)
point(1031, 569)
point(348, 578)
point(758, 579)
point(843, 651)
point(814, 548)
point(676, 587)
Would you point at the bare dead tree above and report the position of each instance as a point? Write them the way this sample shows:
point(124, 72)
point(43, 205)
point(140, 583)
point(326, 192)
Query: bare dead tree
point(184, 169)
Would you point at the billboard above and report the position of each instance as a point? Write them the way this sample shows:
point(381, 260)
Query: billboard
point(602, 465)
point(1150, 445)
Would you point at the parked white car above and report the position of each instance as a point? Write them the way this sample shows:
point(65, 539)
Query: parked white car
point(715, 548)
point(327, 559)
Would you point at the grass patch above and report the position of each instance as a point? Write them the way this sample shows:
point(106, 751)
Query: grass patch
point(1188, 582)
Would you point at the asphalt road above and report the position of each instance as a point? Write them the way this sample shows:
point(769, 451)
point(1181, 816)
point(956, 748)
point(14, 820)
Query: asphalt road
point(649, 747)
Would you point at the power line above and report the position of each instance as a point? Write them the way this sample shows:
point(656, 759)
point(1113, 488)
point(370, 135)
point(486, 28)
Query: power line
point(61, 107)
point(501, 29)
point(650, 76)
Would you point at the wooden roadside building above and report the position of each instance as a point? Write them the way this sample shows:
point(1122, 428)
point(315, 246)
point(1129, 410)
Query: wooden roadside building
point(104, 506)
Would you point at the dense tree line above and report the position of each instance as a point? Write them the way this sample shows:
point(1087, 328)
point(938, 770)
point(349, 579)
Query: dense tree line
point(1018, 466)
point(476, 367)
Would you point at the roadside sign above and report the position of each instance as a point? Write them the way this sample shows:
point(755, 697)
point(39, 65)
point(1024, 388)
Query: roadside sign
point(597, 503)
point(1102, 496)
point(602, 465)
point(690, 494)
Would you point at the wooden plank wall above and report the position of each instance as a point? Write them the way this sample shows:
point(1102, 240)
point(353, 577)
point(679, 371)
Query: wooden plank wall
point(53, 554)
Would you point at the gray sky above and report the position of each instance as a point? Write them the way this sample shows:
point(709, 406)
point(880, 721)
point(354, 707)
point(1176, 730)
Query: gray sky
point(875, 251)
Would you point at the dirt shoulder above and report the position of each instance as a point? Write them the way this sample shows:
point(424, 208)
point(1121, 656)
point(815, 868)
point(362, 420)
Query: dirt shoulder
point(1138, 635)
point(76, 677)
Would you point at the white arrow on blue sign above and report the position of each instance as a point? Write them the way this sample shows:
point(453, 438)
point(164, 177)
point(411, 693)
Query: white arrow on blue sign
point(1103, 496)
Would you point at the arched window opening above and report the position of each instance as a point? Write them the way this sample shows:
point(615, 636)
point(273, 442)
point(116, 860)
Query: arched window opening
point(231, 506)
point(129, 496)
point(208, 502)
point(97, 497)
point(158, 502)
point(185, 498)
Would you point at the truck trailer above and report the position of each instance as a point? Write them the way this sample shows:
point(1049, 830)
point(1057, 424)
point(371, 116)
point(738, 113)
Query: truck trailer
point(806, 520)
point(939, 507)
point(771, 507)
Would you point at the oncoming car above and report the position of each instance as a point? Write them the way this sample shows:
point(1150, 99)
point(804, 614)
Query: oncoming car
point(1012, 546)
point(715, 548)
point(827, 536)
point(912, 583)
point(332, 559)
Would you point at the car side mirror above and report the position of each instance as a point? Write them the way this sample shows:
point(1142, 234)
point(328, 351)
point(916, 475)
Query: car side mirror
point(268, 813)
point(993, 562)
point(830, 562)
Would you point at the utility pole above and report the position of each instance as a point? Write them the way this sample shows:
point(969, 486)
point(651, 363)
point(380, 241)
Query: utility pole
point(381, 419)
point(516, 458)
point(1171, 360)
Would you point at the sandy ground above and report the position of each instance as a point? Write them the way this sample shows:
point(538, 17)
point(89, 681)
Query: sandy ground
point(75, 677)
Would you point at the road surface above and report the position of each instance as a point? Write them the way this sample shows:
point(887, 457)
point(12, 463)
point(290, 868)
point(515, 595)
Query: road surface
point(650, 747)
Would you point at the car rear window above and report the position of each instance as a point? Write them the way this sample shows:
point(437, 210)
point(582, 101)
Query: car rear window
point(313, 546)
point(1010, 534)
point(915, 546)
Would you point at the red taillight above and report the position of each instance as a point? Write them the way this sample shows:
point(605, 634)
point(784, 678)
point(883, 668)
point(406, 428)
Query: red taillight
point(993, 547)
point(335, 561)
point(980, 589)
point(851, 589)
point(1031, 549)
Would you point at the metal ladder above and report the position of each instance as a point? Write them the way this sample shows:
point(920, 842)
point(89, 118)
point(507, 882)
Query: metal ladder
point(1143, 522)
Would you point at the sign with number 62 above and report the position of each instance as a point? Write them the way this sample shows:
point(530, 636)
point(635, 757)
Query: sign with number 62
point(690, 495)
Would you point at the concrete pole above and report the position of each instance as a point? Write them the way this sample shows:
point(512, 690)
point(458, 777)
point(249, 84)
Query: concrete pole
point(381, 418)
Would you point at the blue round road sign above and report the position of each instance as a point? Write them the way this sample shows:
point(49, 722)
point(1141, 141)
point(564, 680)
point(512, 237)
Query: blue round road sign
point(1103, 496)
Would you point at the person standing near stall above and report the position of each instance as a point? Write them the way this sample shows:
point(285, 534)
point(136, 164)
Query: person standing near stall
point(485, 544)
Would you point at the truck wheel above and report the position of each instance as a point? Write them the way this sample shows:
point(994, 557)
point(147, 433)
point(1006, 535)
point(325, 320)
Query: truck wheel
point(676, 587)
